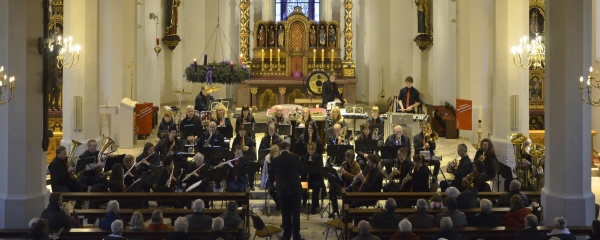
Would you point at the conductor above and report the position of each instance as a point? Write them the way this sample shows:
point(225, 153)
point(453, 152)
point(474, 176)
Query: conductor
point(287, 169)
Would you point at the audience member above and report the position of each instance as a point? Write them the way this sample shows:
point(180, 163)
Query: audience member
point(515, 189)
point(485, 218)
point(57, 218)
point(198, 220)
point(435, 202)
point(217, 231)
point(157, 221)
point(363, 232)
point(387, 219)
point(67, 208)
point(38, 229)
point(466, 199)
point(447, 231)
point(405, 232)
point(531, 232)
point(560, 229)
point(595, 234)
point(459, 219)
point(137, 221)
point(231, 218)
point(116, 227)
point(421, 218)
point(517, 214)
point(181, 227)
point(112, 214)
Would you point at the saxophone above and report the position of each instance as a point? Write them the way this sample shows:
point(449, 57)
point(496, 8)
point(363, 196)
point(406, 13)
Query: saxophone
point(171, 147)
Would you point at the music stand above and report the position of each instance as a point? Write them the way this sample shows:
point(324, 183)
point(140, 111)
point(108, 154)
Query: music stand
point(366, 145)
point(284, 129)
point(188, 130)
point(213, 153)
point(338, 150)
point(85, 164)
point(389, 152)
point(260, 127)
point(379, 126)
point(251, 168)
point(300, 149)
point(316, 167)
point(298, 131)
point(225, 131)
point(111, 161)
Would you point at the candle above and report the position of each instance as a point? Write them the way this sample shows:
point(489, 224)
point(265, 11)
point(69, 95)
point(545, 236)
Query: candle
point(480, 107)
point(205, 59)
point(323, 56)
point(12, 82)
point(241, 59)
point(271, 55)
point(332, 55)
point(262, 56)
point(156, 41)
point(315, 56)
point(581, 82)
point(231, 66)
point(278, 52)
point(195, 65)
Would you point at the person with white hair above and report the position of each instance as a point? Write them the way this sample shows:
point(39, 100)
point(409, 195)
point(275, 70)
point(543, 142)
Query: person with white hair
point(560, 229)
point(447, 230)
point(217, 231)
point(467, 199)
point(485, 218)
point(421, 218)
point(116, 227)
point(531, 232)
point(137, 221)
point(190, 119)
point(198, 172)
point(181, 227)
point(199, 220)
point(278, 117)
point(515, 189)
point(405, 232)
point(387, 219)
point(458, 218)
point(112, 214)
point(363, 232)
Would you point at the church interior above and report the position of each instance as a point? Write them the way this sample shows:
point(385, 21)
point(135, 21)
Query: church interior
point(109, 71)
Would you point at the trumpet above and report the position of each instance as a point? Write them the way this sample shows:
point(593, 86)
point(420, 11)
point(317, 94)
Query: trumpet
point(192, 173)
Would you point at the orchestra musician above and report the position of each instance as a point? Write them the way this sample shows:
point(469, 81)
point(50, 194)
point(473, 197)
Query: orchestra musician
point(409, 96)
point(465, 166)
point(330, 91)
point(248, 148)
point(271, 138)
point(527, 163)
point(149, 159)
point(404, 166)
point(130, 176)
point(306, 118)
point(278, 118)
point(479, 178)
point(203, 99)
point(166, 122)
point(335, 117)
point(313, 177)
point(223, 121)
point(418, 180)
point(190, 119)
point(197, 172)
point(236, 183)
point(396, 139)
point(310, 135)
point(268, 179)
point(361, 156)
point(370, 180)
point(488, 155)
point(171, 146)
point(336, 139)
point(166, 180)
point(348, 170)
point(375, 118)
point(117, 183)
point(422, 142)
point(60, 179)
point(246, 117)
point(210, 138)
point(93, 176)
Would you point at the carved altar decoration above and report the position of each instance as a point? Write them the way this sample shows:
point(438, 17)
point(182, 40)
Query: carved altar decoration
point(268, 99)
point(296, 93)
point(172, 39)
point(55, 74)
point(295, 47)
point(537, 79)
point(424, 38)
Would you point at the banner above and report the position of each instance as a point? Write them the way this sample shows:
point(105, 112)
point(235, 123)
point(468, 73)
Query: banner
point(143, 118)
point(464, 113)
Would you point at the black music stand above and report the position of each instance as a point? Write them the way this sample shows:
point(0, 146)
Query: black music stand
point(300, 149)
point(218, 175)
point(213, 154)
point(389, 152)
point(111, 161)
point(314, 167)
point(284, 129)
point(85, 164)
point(262, 154)
point(188, 130)
point(252, 168)
point(366, 145)
point(335, 181)
point(298, 131)
point(338, 150)
point(225, 131)
point(260, 127)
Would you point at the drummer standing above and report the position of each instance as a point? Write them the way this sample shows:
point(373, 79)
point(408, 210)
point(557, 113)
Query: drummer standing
point(204, 99)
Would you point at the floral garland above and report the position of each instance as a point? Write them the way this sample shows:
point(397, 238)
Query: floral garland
point(223, 72)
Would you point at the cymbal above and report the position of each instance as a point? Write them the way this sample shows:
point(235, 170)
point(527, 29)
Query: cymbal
point(213, 89)
point(183, 92)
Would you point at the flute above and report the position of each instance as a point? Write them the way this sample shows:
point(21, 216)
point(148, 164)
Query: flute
point(137, 164)
point(192, 173)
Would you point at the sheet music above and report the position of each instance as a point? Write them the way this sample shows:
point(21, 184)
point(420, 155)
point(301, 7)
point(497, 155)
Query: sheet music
point(193, 186)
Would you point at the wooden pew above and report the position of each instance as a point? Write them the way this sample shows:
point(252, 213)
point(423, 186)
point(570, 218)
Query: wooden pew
point(14, 233)
point(147, 213)
point(479, 232)
point(97, 233)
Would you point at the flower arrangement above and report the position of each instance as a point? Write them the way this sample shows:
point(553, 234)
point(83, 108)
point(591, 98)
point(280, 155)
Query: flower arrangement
point(224, 72)
point(295, 112)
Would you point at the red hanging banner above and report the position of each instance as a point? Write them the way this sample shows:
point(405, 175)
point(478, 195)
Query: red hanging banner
point(143, 118)
point(464, 114)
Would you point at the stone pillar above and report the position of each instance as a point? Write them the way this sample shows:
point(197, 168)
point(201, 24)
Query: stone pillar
point(81, 22)
point(511, 22)
point(567, 189)
point(441, 85)
point(22, 175)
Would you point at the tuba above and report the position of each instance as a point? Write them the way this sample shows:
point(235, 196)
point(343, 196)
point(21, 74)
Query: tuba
point(517, 140)
point(72, 160)
point(537, 151)
point(108, 142)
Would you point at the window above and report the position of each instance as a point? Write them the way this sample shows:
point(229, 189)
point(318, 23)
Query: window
point(284, 7)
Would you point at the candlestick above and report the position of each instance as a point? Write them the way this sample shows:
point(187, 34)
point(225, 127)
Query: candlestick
point(270, 55)
point(332, 55)
point(315, 57)
point(323, 56)
point(581, 82)
point(12, 82)
point(262, 59)
point(205, 59)
point(278, 52)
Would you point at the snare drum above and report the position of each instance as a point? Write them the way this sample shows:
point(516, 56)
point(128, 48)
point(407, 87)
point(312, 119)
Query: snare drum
point(205, 116)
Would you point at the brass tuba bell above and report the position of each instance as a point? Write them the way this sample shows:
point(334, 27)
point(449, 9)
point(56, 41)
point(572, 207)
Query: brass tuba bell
point(72, 160)
point(537, 151)
point(108, 142)
point(517, 140)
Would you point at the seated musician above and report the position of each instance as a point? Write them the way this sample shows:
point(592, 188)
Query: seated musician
point(131, 172)
point(335, 117)
point(487, 154)
point(246, 117)
point(404, 167)
point(423, 142)
point(527, 166)
point(336, 139)
point(148, 160)
point(348, 170)
point(190, 119)
point(309, 135)
point(203, 99)
point(305, 119)
point(267, 179)
point(418, 181)
point(93, 176)
point(271, 138)
point(361, 156)
point(197, 172)
point(464, 167)
point(211, 138)
point(248, 148)
point(166, 180)
point(278, 118)
point(223, 121)
point(313, 177)
point(235, 182)
point(369, 180)
point(60, 174)
point(375, 118)
point(166, 122)
point(396, 139)
point(171, 145)
point(116, 182)
point(479, 178)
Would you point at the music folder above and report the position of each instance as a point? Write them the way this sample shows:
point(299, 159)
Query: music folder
point(85, 164)
point(284, 129)
point(366, 145)
point(389, 152)
point(338, 150)
point(111, 161)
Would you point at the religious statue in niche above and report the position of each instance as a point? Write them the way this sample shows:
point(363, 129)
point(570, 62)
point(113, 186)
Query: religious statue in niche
point(332, 36)
point(261, 36)
point(536, 23)
point(424, 38)
point(54, 81)
point(313, 37)
point(535, 89)
point(280, 36)
point(271, 37)
point(172, 30)
point(322, 35)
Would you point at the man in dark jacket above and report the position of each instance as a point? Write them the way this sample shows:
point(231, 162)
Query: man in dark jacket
point(369, 181)
point(330, 91)
point(459, 219)
point(396, 139)
point(199, 220)
point(287, 169)
point(60, 174)
point(217, 231)
point(56, 217)
point(531, 232)
point(515, 189)
point(465, 166)
point(387, 219)
point(485, 218)
point(203, 99)
point(447, 230)
point(423, 142)
point(91, 177)
point(181, 227)
point(421, 218)
point(116, 228)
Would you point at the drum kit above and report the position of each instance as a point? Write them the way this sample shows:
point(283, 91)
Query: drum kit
point(204, 116)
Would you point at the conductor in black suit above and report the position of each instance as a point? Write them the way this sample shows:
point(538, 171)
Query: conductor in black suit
point(330, 91)
point(287, 169)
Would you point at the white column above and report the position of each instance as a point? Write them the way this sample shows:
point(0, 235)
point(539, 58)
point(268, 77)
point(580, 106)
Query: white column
point(441, 85)
point(510, 25)
point(81, 22)
point(567, 190)
point(150, 77)
point(22, 175)
point(401, 48)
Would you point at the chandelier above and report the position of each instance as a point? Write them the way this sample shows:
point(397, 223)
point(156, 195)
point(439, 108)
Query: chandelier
point(68, 55)
point(4, 84)
point(533, 53)
point(590, 86)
